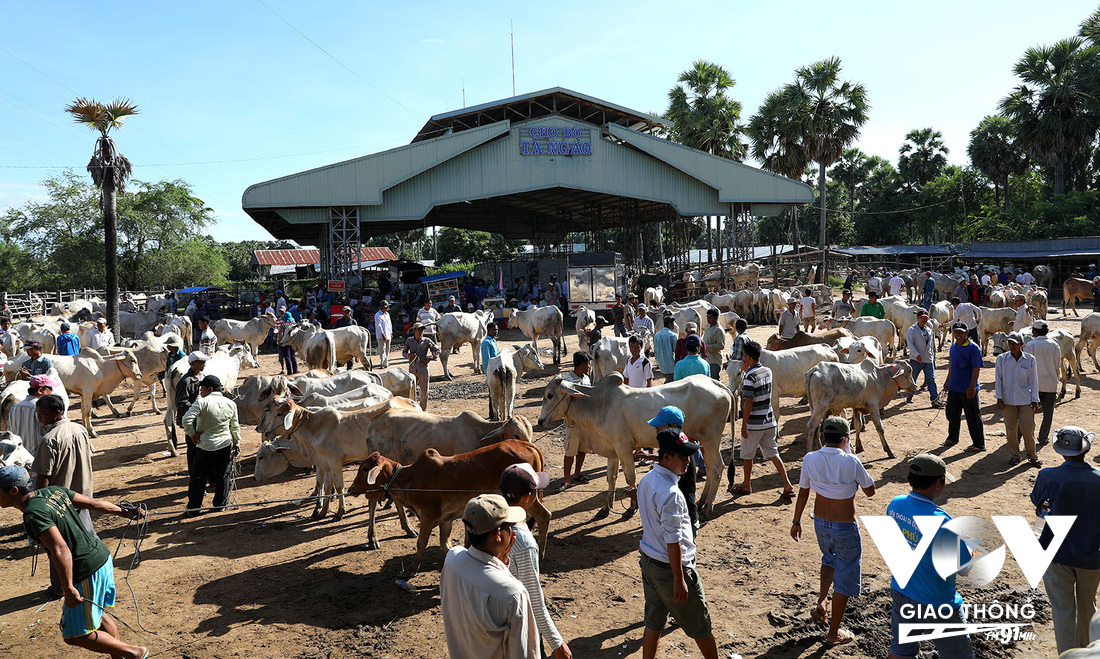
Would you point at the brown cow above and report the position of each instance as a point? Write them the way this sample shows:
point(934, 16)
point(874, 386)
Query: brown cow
point(437, 486)
point(804, 339)
point(1074, 289)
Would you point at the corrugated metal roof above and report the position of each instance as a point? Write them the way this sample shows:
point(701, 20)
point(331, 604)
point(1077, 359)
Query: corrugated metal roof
point(444, 275)
point(896, 250)
point(298, 257)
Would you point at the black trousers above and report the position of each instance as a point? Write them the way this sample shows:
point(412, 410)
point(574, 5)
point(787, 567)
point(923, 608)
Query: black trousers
point(1046, 400)
point(958, 405)
point(209, 466)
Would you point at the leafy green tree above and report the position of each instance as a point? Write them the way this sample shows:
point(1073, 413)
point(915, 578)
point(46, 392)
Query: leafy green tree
point(993, 153)
point(156, 218)
point(1054, 112)
point(703, 116)
point(109, 170)
point(463, 245)
point(196, 261)
point(777, 143)
point(238, 255)
point(921, 157)
point(851, 171)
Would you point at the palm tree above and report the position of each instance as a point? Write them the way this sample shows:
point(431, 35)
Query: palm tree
point(852, 170)
point(829, 113)
point(702, 115)
point(921, 157)
point(993, 153)
point(777, 144)
point(109, 170)
point(1053, 113)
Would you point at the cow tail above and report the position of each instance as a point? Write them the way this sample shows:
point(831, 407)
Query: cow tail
point(330, 348)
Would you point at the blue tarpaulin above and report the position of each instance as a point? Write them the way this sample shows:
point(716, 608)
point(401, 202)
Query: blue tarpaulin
point(195, 289)
point(444, 275)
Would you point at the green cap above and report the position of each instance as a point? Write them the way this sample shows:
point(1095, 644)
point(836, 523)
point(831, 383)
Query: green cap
point(926, 464)
point(835, 426)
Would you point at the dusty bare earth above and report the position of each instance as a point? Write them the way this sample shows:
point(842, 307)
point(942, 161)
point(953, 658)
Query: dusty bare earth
point(267, 581)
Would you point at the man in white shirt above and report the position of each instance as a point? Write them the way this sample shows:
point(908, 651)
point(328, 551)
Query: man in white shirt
point(874, 283)
point(835, 475)
point(638, 370)
point(1023, 314)
point(670, 583)
point(896, 284)
point(582, 364)
point(1048, 360)
point(1016, 386)
point(969, 315)
point(986, 279)
point(807, 307)
point(788, 320)
point(383, 331)
point(100, 338)
point(428, 317)
point(487, 611)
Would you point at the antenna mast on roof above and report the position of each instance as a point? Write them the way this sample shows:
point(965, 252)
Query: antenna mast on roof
point(512, 28)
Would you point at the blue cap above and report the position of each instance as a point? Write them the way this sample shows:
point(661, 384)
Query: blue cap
point(14, 476)
point(669, 415)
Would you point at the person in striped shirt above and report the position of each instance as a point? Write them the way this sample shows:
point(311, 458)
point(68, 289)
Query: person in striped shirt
point(519, 484)
point(758, 426)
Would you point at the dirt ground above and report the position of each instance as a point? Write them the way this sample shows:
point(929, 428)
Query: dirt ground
point(267, 581)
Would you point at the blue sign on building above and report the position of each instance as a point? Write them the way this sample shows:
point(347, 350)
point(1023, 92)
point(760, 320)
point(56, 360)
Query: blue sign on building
point(555, 141)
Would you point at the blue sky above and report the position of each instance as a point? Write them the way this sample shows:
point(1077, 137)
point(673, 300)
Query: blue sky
point(231, 94)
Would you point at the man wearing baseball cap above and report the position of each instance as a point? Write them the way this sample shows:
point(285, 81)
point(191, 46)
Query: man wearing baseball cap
point(670, 584)
point(83, 561)
point(1048, 359)
point(928, 289)
point(872, 307)
point(922, 355)
point(672, 417)
point(487, 611)
point(212, 425)
point(36, 364)
point(520, 484)
point(1072, 488)
point(22, 419)
point(928, 478)
point(835, 475)
point(383, 331)
point(964, 364)
point(187, 392)
point(67, 342)
point(1016, 387)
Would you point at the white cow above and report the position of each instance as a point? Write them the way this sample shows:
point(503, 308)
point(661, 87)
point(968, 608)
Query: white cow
point(612, 420)
point(458, 328)
point(253, 332)
point(943, 314)
point(92, 375)
point(12, 452)
point(1089, 338)
point(152, 355)
point(1037, 300)
point(609, 355)
point(585, 318)
point(993, 321)
point(136, 323)
point(654, 297)
point(883, 330)
point(503, 371)
point(789, 369)
point(864, 388)
point(542, 320)
point(362, 397)
point(854, 350)
point(316, 347)
point(180, 325)
point(1044, 275)
point(10, 344)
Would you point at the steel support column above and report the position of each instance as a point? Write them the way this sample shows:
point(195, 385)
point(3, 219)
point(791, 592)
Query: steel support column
point(344, 245)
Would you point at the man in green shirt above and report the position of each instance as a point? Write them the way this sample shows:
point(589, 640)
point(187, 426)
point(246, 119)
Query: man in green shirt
point(214, 429)
point(873, 307)
point(87, 573)
point(715, 340)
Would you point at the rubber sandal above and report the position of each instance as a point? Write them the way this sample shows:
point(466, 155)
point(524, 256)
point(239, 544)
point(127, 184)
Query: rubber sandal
point(846, 637)
point(738, 491)
point(582, 479)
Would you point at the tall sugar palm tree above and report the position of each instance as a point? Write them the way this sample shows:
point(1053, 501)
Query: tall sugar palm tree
point(703, 116)
point(777, 144)
point(1054, 112)
point(852, 170)
point(921, 157)
point(110, 171)
point(993, 153)
point(829, 113)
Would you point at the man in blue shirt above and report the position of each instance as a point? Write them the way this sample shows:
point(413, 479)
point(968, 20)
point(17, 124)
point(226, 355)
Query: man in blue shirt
point(929, 289)
point(489, 349)
point(664, 346)
point(67, 342)
point(693, 364)
point(928, 478)
point(1073, 488)
point(963, 366)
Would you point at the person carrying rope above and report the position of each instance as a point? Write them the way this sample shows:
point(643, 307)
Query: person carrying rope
point(83, 561)
point(213, 427)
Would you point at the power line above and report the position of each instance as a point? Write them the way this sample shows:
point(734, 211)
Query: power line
point(905, 210)
point(333, 58)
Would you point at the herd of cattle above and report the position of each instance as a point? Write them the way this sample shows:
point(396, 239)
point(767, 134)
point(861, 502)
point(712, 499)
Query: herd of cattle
point(327, 418)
